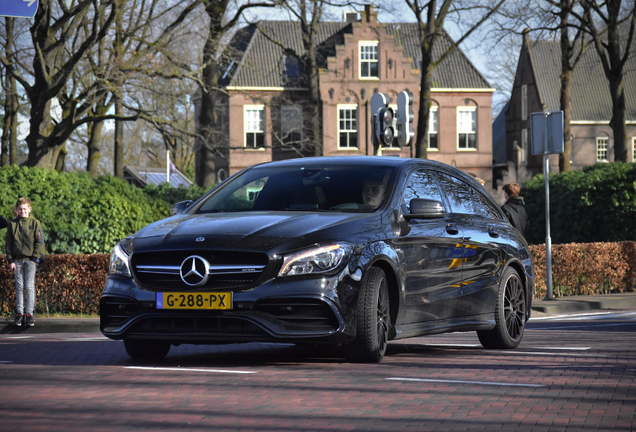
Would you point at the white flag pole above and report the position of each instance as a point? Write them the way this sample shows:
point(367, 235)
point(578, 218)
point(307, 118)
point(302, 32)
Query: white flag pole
point(168, 166)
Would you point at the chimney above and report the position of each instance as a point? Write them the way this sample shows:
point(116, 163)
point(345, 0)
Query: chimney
point(369, 15)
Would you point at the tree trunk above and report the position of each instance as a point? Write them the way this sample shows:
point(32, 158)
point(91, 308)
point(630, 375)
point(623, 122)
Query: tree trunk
point(94, 155)
point(567, 74)
point(205, 144)
point(118, 145)
point(617, 91)
point(616, 83)
point(566, 107)
point(10, 124)
point(421, 139)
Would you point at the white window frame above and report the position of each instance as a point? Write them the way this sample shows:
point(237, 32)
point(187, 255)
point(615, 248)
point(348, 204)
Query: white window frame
point(433, 127)
point(284, 128)
point(602, 149)
point(634, 149)
point(253, 125)
point(368, 58)
point(524, 102)
point(347, 123)
point(462, 127)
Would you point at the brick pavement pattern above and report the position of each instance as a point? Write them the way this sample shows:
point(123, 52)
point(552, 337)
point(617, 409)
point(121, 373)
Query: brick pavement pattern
point(550, 383)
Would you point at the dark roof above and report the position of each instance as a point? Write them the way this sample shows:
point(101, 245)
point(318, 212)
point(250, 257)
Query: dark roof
point(455, 71)
point(143, 176)
point(499, 137)
point(256, 58)
point(591, 99)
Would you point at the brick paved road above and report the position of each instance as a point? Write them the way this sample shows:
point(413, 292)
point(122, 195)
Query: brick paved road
point(566, 375)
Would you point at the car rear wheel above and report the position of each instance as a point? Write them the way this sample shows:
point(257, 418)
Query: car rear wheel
point(510, 314)
point(146, 349)
point(373, 319)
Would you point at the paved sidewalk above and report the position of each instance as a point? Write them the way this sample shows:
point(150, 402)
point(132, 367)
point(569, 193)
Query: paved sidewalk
point(539, 307)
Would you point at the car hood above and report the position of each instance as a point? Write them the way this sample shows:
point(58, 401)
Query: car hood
point(278, 227)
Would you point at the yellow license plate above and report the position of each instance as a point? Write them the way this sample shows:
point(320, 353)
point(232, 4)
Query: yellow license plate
point(186, 300)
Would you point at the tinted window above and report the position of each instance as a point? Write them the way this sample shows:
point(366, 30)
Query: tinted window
point(463, 198)
point(421, 184)
point(297, 188)
point(488, 207)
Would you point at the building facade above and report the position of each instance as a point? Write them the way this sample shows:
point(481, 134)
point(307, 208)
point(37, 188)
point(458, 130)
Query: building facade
point(358, 57)
point(537, 88)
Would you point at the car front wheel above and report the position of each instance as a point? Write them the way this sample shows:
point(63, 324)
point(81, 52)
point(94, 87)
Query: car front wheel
point(510, 314)
point(146, 349)
point(373, 319)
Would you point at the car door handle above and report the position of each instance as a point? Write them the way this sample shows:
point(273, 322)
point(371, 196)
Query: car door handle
point(452, 229)
point(492, 232)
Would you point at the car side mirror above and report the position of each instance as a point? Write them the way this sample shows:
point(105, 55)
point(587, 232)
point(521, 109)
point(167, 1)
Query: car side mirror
point(425, 209)
point(180, 207)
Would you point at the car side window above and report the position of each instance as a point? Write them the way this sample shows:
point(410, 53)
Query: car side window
point(463, 198)
point(488, 207)
point(421, 184)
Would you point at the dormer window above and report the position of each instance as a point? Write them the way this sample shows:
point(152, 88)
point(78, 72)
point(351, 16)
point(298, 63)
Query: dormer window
point(369, 68)
point(292, 67)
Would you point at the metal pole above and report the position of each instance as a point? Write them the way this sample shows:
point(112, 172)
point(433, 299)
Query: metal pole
point(548, 241)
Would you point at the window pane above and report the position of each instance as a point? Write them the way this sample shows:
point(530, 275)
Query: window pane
point(432, 141)
point(472, 141)
point(374, 69)
point(421, 184)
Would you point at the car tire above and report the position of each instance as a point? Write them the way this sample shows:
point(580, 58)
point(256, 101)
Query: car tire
point(510, 314)
point(373, 319)
point(146, 349)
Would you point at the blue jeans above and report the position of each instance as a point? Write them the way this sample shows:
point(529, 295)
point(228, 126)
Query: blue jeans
point(25, 280)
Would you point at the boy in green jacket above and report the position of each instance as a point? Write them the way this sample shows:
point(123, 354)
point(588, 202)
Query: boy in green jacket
point(24, 247)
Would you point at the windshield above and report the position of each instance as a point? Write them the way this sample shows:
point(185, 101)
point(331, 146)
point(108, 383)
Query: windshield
point(341, 188)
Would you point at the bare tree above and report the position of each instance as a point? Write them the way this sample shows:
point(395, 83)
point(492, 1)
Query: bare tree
point(430, 16)
point(221, 20)
point(614, 50)
point(51, 67)
point(10, 121)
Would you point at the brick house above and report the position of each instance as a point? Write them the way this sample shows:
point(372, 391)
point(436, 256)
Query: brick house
point(359, 58)
point(537, 87)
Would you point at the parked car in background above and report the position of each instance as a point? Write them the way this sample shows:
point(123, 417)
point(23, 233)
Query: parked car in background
point(355, 251)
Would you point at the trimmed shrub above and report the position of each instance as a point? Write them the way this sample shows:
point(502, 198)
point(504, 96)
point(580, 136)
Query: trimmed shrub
point(81, 215)
point(65, 284)
point(595, 204)
point(585, 268)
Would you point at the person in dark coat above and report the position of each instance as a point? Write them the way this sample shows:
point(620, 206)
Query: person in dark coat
point(3, 222)
point(514, 207)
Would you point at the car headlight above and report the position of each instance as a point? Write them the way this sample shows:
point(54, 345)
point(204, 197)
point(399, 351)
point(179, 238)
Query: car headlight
point(319, 259)
point(120, 260)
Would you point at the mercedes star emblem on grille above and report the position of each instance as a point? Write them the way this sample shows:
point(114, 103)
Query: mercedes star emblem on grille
point(194, 270)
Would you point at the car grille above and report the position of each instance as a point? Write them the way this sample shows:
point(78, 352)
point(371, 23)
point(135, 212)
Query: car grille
point(228, 270)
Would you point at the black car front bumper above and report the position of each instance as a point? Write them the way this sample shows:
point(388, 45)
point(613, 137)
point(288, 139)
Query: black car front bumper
point(309, 310)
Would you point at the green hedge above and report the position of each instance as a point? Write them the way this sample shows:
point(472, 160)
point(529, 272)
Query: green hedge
point(595, 204)
point(81, 215)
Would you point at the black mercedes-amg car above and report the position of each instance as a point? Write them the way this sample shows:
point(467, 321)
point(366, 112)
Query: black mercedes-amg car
point(355, 251)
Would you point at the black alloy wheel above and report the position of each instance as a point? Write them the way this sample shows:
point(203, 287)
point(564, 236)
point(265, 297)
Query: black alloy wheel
point(373, 320)
point(510, 314)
